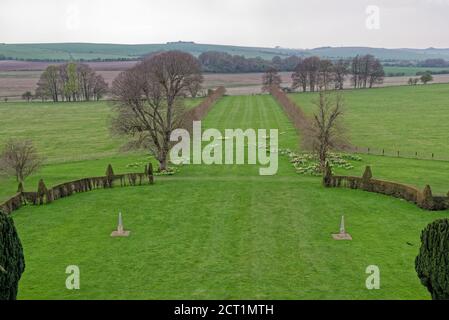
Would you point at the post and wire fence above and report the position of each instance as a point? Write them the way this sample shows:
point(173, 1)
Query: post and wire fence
point(397, 153)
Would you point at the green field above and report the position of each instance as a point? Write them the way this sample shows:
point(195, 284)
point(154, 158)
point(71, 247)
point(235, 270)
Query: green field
point(408, 119)
point(410, 71)
point(224, 232)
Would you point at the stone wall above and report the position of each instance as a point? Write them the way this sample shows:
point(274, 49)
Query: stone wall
point(66, 189)
point(423, 199)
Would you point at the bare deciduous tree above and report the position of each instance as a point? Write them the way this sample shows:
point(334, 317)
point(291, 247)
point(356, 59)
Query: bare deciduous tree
point(325, 131)
point(325, 74)
point(313, 66)
point(376, 73)
point(341, 71)
point(300, 76)
point(48, 84)
point(99, 87)
point(366, 71)
point(20, 159)
point(194, 89)
point(270, 78)
point(149, 101)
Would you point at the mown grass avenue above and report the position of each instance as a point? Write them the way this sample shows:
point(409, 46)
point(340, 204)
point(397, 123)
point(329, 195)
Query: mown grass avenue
point(230, 233)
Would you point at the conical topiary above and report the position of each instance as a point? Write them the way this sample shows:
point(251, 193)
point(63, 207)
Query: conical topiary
point(41, 188)
point(109, 176)
point(367, 175)
point(12, 261)
point(427, 201)
point(42, 192)
point(109, 171)
point(432, 263)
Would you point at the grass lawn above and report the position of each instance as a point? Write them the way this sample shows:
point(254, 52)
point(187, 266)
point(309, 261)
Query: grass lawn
point(64, 131)
point(409, 119)
point(224, 232)
point(410, 71)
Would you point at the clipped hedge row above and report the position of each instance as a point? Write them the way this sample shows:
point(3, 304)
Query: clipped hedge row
point(66, 189)
point(423, 199)
point(295, 114)
point(200, 111)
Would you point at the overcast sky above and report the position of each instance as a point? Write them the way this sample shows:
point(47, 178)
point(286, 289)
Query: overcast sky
point(286, 23)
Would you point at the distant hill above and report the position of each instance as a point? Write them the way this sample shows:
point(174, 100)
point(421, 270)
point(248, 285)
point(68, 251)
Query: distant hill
point(381, 53)
point(95, 51)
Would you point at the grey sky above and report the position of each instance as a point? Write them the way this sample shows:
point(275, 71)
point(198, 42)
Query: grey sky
point(287, 23)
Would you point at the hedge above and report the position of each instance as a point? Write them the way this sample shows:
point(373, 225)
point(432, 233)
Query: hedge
point(423, 199)
point(66, 189)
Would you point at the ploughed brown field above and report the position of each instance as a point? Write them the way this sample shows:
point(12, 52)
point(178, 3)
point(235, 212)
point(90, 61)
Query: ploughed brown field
point(17, 77)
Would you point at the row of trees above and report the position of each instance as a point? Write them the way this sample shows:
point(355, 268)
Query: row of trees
point(314, 73)
point(71, 82)
point(425, 78)
point(222, 62)
point(434, 63)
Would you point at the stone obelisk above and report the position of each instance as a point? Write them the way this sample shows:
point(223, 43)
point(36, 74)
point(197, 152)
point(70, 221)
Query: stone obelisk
point(120, 232)
point(343, 235)
point(342, 225)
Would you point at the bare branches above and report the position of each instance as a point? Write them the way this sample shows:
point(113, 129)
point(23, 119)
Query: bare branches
point(325, 132)
point(270, 78)
point(20, 159)
point(315, 73)
point(149, 100)
point(366, 71)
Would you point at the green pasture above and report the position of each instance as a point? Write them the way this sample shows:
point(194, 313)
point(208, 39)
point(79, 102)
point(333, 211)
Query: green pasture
point(224, 232)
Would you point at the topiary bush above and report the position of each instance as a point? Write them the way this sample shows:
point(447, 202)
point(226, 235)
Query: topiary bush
point(12, 261)
point(109, 176)
point(432, 263)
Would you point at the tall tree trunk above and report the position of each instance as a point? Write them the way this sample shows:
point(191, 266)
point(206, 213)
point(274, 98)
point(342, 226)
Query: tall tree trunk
point(163, 163)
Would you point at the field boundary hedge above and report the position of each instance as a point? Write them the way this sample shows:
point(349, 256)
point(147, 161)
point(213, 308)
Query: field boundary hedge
point(423, 199)
point(66, 189)
point(200, 111)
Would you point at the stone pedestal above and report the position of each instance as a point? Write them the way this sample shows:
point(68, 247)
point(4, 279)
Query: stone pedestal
point(117, 233)
point(120, 232)
point(343, 235)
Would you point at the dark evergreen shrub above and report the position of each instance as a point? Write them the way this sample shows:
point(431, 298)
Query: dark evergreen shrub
point(12, 261)
point(432, 263)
